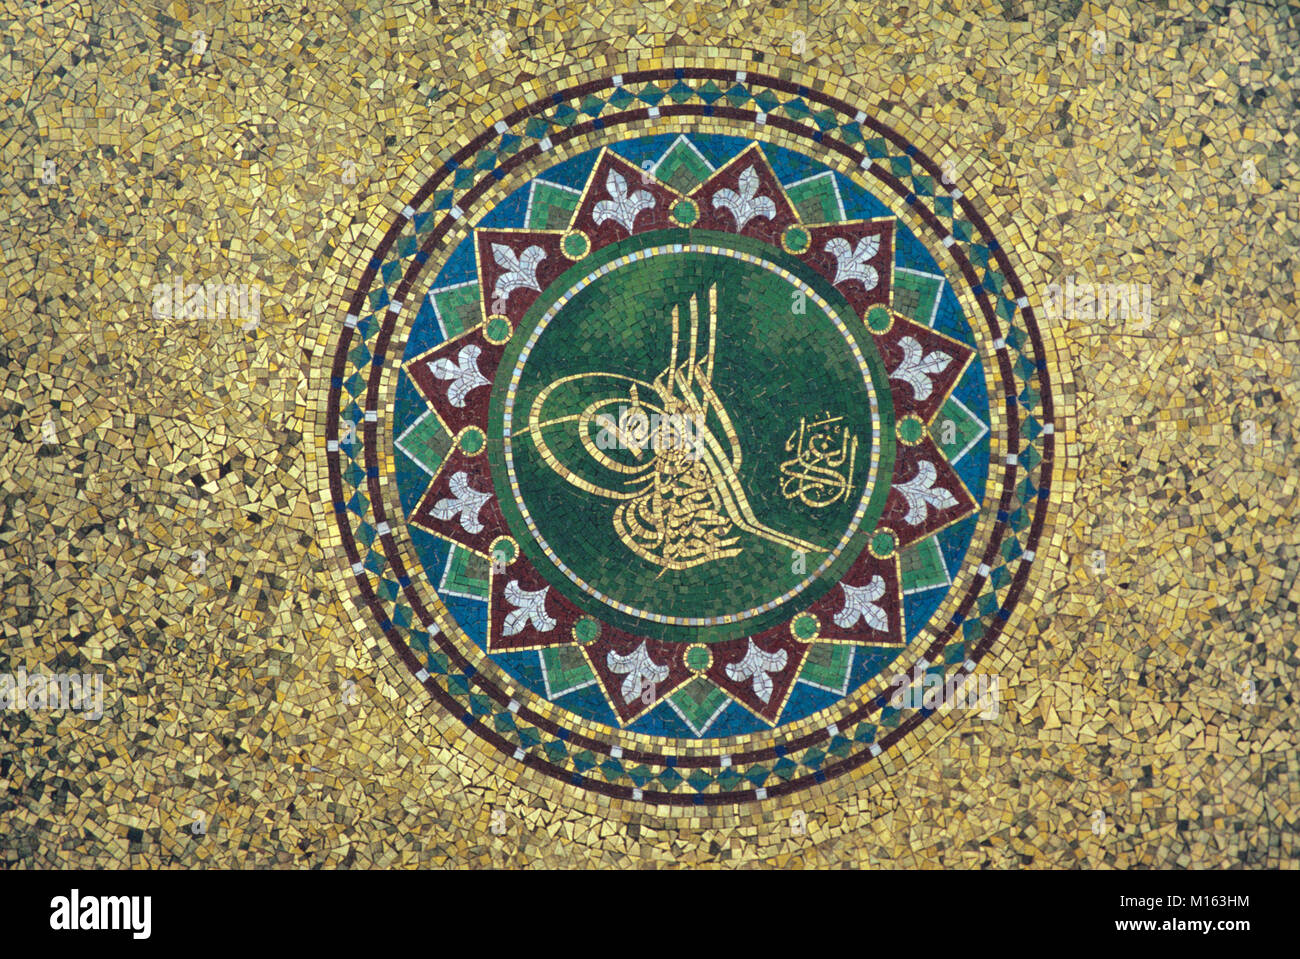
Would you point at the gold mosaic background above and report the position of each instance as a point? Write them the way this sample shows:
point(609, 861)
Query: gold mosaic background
point(172, 535)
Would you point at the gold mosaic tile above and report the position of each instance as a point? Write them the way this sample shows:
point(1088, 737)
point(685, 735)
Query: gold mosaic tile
point(193, 192)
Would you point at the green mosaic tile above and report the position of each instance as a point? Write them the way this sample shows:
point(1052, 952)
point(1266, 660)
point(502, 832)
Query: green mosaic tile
point(458, 308)
point(700, 702)
point(683, 168)
point(466, 574)
point(566, 669)
point(816, 200)
point(920, 294)
point(828, 666)
point(956, 429)
point(922, 566)
point(426, 443)
point(551, 208)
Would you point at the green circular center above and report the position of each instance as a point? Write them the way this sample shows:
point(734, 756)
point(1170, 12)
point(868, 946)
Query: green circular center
point(471, 441)
point(698, 658)
point(695, 435)
point(498, 329)
point(576, 245)
point(504, 551)
point(586, 630)
point(879, 320)
point(804, 626)
point(911, 429)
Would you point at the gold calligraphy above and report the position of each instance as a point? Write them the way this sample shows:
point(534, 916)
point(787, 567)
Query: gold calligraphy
point(821, 472)
point(681, 502)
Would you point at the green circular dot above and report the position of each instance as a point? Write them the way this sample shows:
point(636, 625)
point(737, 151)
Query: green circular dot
point(472, 440)
point(685, 213)
point(796, 239)
point(498, 330)
point(883, 544)
point(698, 658)
point(878, 319)
point(504, 550)
point(586, 630)
point(911, 429)
point(576, 245)
point(804, 626)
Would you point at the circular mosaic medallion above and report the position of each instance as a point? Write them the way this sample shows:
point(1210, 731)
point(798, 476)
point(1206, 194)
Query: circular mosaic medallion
point(697, 449)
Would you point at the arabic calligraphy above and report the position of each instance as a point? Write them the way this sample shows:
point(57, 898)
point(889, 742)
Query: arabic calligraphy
point(680, 499)
point(821, 472)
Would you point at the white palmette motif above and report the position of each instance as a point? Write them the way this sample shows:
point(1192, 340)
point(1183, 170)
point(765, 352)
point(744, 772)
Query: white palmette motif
point(521, 269)
point(851, 262)
point(466, 501)
point(758, 667)
point(860, 603)
point(530, 606)
point(638, 670)
point(622, 208)
point(745, 205)
point(921, 493)
point(463, 374)
point(918, 366)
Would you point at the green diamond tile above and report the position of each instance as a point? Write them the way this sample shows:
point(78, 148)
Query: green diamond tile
point(922, 566)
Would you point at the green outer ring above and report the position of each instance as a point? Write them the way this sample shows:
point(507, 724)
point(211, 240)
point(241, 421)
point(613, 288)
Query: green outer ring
point(750, 625)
